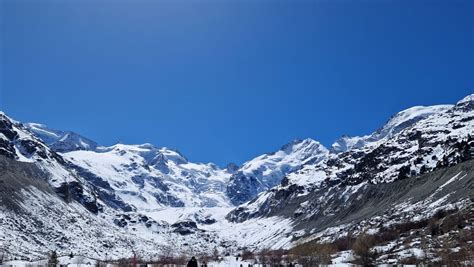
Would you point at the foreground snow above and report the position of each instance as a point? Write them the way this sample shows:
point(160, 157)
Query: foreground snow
point(270, 233)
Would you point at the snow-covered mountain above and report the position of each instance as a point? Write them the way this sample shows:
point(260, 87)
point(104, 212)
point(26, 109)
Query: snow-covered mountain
point(112, 200)
point(18, 143)
point(267, 170)
point(396, 123)
point(138, 176)
point(149, 178)
point(61, 141)
point(62, 187)
point(441, 139)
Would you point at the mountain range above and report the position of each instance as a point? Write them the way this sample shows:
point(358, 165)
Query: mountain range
point(62, 191)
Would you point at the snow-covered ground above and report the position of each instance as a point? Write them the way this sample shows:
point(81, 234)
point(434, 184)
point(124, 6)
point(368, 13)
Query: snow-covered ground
point(75, 261)
point(273, 232)
point(231, 261)
point(80, 261)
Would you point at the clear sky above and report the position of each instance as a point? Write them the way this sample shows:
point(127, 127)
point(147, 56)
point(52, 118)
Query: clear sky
point(227, 80)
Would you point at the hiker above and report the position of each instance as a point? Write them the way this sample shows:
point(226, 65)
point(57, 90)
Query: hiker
point(193, 262)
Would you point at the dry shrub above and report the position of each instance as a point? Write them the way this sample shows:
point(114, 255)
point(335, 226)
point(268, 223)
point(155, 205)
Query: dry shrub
point(362, 249)
point(386, 235)
point(344, 243)
point(412, 260)
point(247, 255)
point(275, 257)
point(462, 255)
point(313, 253)
point(204, 258)
point(452, 222)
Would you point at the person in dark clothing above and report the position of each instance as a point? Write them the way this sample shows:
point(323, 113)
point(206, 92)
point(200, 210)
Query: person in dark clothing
point(192, 263)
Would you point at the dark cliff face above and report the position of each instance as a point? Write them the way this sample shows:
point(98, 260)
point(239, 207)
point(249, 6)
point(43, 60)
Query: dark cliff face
point(6, 145)
point(12, 144)
point(243, 188)
point(232, 168)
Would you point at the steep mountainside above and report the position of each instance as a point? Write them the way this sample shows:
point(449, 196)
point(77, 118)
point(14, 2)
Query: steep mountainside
point(35, 219)
point(333, 211)
point(440, 140)
point(267, 171)
point(149, 178)
point(396, 124)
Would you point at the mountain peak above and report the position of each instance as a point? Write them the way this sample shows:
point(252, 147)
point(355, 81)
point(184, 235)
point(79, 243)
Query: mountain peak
point(173, 155)
point(468, 98)
point(5, 116)
point(409, 116)
point(60, 141)
point(394, 125)
point(465, 104)
point(299, 144)
point(268, 170)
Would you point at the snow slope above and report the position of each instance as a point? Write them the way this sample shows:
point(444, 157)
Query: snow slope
point(394, 125)
point(150, 178)
point(60, 141)
point(268, 170)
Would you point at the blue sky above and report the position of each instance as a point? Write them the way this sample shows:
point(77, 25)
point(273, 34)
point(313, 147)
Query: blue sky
point(224, 81)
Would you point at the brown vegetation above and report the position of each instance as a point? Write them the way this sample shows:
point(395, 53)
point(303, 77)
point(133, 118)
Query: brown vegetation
point(454, 223)
point(363, 252)
point(314, 254)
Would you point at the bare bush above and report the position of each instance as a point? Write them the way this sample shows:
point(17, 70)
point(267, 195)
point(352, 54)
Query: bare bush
point(362, 249)
point(276, 257)
point(313, 253)
point(215, 254)
point(454, 253)
point(344, 243)
point(247, 255)
point(53, 259)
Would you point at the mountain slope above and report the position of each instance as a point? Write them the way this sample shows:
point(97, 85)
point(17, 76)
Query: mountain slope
point(394, 125)
point(150, 178)
point(342, 207)
point(61, 141)
point(35, 220)
point(267, 170)
point(440, 140)
point(73, 202)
